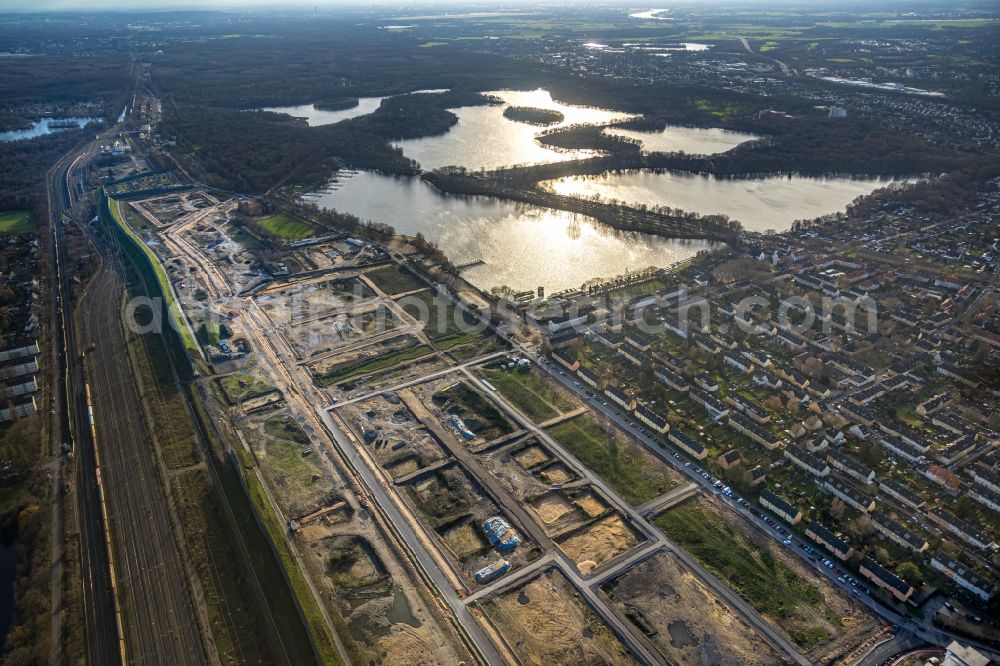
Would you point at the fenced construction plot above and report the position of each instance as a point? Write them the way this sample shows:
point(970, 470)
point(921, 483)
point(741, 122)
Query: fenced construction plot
point(686, 622)
point(545, 622)
point(813, 613)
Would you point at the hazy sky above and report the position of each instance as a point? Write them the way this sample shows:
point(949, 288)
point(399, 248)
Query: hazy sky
point(410, 5)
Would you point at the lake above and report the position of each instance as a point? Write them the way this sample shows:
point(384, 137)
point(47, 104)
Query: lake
point(759, 203)
point(8, 572)
point(45, 126)
point(315, 117)
point(523, 247)
point(484, 139)
point(691, 140)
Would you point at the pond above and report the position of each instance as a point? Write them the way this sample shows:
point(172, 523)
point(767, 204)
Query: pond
point(45, 126)
point(522, 247)
point(759, 203)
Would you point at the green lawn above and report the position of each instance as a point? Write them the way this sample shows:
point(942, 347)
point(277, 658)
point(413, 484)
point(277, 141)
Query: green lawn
point(628, 468)
point(16, 222)
point(394, 279)
point(528, 392)
point(174, 309)
point(767, 584)
point(288, 228)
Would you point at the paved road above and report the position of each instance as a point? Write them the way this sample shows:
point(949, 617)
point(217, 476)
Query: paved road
point(298, 390)
point(656, 536)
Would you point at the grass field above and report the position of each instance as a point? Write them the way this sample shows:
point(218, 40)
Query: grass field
point(264, 561)
point(16, 222)
point(373, 365)
point(228, 600)
point(287, 429)
point(242, 387)
point(444, 323)
point(175, 312)
point(767, 584)
point(635, 473)
point(288, 228)
point(528, 392)
point(394, 279)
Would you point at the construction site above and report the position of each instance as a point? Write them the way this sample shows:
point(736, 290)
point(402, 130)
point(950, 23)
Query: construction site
point(684, 619)
point(543, 621)
point(439, 494)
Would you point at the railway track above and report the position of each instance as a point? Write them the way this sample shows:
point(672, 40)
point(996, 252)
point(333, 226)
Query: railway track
point(158, 614)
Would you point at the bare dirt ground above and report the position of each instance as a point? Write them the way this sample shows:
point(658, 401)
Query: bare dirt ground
point(382, 622)
point(545, 622)
point(686, 622)
point(531, 456)
point(551, 507)
point(602, 541)
point(400, 443)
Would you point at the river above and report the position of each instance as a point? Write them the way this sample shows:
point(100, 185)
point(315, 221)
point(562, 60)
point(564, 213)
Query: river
point(522, 247)
point(759, 204)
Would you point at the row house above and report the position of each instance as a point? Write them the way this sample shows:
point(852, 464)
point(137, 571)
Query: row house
point(931, 405)
point(632, 354)
point(620, 398)
point(738, 361)
point(588, 376)
point(943, 477)
point(807, 461)
point(896, 533)
point(986, 497)
point(780, 507)
point(850, 466)
point(762, 436)
point(655, 421)
point(963, 576)
point(566, 359)
point(715, 409)
point(748, 408)
point(957, 450)
point(986, 478)
point(849, 494)
point(885, 579)
point(824, 537)
point(672, 379)
point(900, 493)
point(687, 444)
point(963, 530)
